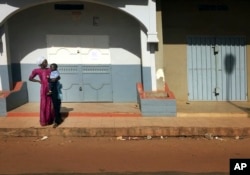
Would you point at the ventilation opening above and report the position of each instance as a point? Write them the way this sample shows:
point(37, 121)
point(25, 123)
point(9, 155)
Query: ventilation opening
point(69, 6)
point(212, 7)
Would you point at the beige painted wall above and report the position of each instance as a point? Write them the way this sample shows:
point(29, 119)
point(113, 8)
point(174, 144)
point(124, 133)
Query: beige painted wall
point(176, 69)
point(181, 18)
point(159, 63)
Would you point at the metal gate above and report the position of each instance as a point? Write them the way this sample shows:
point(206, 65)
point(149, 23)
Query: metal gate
point(216, 68)
point(85, 66)
point(86, 83)
point(97, 85)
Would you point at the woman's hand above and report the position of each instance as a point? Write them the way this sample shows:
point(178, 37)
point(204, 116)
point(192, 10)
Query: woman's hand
point(35, 80)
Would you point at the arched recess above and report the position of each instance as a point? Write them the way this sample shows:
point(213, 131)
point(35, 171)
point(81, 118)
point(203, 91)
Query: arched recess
point(123, 37)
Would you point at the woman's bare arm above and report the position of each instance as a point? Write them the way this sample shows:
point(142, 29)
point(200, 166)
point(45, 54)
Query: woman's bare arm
point(34, 80)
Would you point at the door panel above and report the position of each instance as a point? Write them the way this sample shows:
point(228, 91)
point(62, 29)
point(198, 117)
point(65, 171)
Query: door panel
point(85, 66)
point(217, 68)
point(201, 68)
point(71, 83)
point(97, 83)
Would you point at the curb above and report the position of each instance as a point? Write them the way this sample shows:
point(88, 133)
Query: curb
point(126, 132)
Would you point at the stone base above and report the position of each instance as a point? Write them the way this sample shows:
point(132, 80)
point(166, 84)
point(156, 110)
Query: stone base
point(160, 103)
point(13, 99)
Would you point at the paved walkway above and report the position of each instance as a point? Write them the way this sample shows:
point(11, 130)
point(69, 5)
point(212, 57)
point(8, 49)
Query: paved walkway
point(222, 119)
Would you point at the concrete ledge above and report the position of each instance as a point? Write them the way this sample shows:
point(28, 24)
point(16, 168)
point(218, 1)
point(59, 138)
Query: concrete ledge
point(3, 108)
point(160, 103)
point(13, 99)
point(126, 132)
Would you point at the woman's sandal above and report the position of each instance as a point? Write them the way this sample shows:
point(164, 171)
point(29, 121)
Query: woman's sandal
point(55, 125)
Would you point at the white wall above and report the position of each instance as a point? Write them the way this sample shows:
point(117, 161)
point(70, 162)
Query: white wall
point(34, 23)
point(30, 41)
point(144, 10)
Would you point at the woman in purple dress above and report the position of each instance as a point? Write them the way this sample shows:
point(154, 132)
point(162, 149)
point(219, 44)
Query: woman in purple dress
point(46, 110)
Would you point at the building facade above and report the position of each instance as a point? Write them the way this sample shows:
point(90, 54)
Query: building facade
point(102, 47)
point(205, 47)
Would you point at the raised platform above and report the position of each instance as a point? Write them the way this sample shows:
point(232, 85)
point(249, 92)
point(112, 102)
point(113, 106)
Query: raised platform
point(13, 99)
point(222, 119)
point(159, 103)
point(82, 110)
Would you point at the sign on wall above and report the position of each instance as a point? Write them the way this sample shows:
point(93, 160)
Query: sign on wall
point(78, 49)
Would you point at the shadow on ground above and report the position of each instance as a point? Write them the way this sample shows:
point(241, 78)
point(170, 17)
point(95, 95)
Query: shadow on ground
point(65, 112)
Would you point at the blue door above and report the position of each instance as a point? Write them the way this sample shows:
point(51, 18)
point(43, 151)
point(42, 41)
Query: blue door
point(217, 69)
point(97, 85)
point(71, 83)
point(85, 66)
point(86, 83)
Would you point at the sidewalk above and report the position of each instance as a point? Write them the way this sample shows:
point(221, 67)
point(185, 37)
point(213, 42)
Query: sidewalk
point(222, 119)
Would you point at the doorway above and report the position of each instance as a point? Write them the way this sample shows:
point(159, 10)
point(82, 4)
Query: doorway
point(216, 68)
point(85, 66)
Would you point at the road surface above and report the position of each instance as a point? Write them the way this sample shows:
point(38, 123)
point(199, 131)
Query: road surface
point(111, 156)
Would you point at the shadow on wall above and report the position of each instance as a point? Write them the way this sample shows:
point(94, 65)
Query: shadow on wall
point(1, 47)
point(25, 43)
point(1, 42)
point(177, 24)
point(229, 63)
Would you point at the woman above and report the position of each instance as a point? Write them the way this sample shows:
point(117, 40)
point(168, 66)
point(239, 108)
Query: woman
point(46, 110)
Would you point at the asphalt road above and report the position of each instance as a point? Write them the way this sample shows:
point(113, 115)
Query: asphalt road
point(115, 156)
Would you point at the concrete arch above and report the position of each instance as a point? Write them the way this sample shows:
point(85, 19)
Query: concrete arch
point(143, 14)
point(146, 35)
point(38, 33)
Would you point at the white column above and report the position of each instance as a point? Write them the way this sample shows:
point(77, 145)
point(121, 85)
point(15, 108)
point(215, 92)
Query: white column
point(148, 63)
point(3, 59)
point(152, 30)
point(4, 73)
point(3, 50)
point(152, 41)
point(152, 65)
